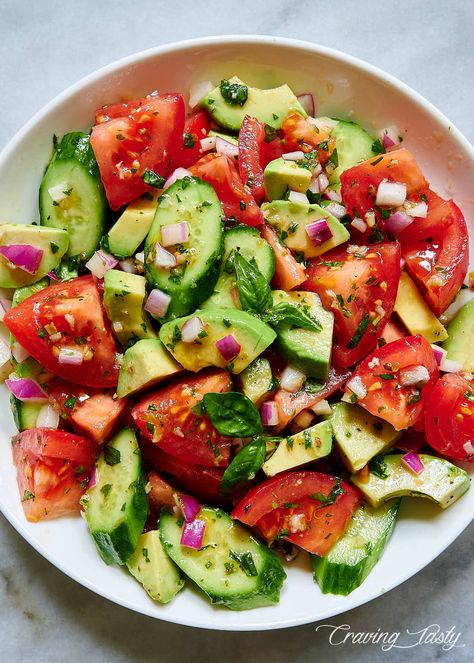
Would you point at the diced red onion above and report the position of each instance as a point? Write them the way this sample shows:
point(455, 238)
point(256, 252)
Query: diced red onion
point(93, 478)
point(192, 534)
point(191, 329)
point(5, 353)
point(59, 191)
point(397, 222)
point(228, 347)
point(269, 413)
point(174, 233)
point(163, 258)
point(450, 366)
point(224, 147)
point(387, 141)
point(390, 138)
point(357, 387)
point(298, 197)
point(26, 390)
point(318, 232)
point(100, 263)
point(208, 143)
point(70, 356)
point(416, 210)
point(337, 210)
point(128, 265)
point(322, 408)
point(392, 194)
point(189, 506)
point(403, 262)
point(292, 379)
point(359, 224)
point(140, 257)
point(53, 276)
point(468, 448)
point(439, 353)
point(410, 377)
point(332, 194)
point(19, 353)
point(178, 174)
point(413, 462)
point(323, 182)
point(23, 256)
point(48, 417)
point(304, 419)
point(198, 91)
point(293, 156)
point(322, 123)
point(314, 184)
point(307, 101)
point(157, 303)
point(5, 306)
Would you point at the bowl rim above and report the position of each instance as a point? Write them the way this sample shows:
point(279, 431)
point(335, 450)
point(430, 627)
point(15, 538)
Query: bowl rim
point(183, 45)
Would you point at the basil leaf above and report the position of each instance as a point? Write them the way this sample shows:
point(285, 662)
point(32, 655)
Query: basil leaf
point(326, 500)
point(232, 414)
point(153, 179)
point(245, 560)
point(254, 291)
point(378, 467)
point(111, 455)
point(234, 94)
point(244, 466)
point(291, 316)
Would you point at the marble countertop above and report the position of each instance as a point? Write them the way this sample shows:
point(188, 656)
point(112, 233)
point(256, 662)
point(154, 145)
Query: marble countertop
point(46, 46)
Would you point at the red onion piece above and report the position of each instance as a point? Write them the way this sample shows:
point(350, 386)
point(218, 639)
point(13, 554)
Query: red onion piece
point(5, 306)
point(391, 194)
point(192, 534)
point(53, 276)
point(331, 194)
point(359, 224)
point(198, 91)
point(439, 353)
point(157, 303)
point(128, 265)
point(397, 222)
point(298, 197)
point(189, 506)
point(100, 263)
point(93, 478)
point(224, 147)
point(307, 101)
point(208, 143)
point(293, 156)
point(357, 387)
point(5, 353)
point(26, 390)
point(23, 256)
point(269, 414)
point(468, 448)
point(48, 417)
point(191, 329)
point(19, 353)
point(228, 347)
point(318, 232)
point(178, 174)
point(417, 210)
point(174, 233)
point(410, 377)
point(450, 366)
point(323, 182)
point(413, 462)
point(70, 356)
point(164, 258)
point(337, 210)
point(387, 141)
point(292, 379)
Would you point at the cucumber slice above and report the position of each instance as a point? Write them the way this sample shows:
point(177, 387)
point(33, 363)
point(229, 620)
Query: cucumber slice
point(354, 556)
point(257, 380)
point(116, 507)
point(353, 145)
point(78, 204)
point(254, 581)
point(24, 414)
point(26, 291)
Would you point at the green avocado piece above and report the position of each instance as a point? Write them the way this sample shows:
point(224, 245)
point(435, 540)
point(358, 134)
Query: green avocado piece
point(289, 220)
point(461, 337)
point(132, 226)
point(153, 569)
point(270, 106)
point(124, 295)
point(359, 435)
point(145, 364)
point(257, 380)
point(304, 447)
point(440, 481)
point(253, 336)
point(309, 351)
point(281, 175)
point(53, 241)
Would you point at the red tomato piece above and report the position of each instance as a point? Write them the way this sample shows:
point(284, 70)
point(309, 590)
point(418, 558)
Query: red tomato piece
point(360, 288)
point(289, 273)
point(236, 198)
point(53, 470)
point(392, 331)
point(449, 417)
point(91, 412)
point(146, 138)
point(255, 152)
point(166, 418)
point(436, 250)
point(161, 495)
point(302, 135)
point(70, 313)
point(310, 509)
point(119, 109)
point(196, 128)
point(381, 374)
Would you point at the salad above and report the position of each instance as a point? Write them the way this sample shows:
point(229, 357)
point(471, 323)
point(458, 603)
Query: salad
point(240, 332)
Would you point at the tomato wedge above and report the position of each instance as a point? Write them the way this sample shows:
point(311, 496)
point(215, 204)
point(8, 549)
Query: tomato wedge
point(310, 509)
point(289, 273)
point(166, 418)
point(359, 285)
point(384, 378)
point(161, 495)
point(66, 316)
point(236, 198)
point(257, 147)
point(145, 137)
point(53, 470)
point(196, 128)
point(449, 417)
point(302, 135)
point(392, 331)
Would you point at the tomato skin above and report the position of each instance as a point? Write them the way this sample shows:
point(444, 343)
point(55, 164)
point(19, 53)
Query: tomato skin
point(196, 128)
point(255, 152)
point(146, 137)
point(361, 282)
point(161, 495)
point(119, 109)
point(387, 398)
point(302, 135)
point(165, 417)
point(80, 299)
point(236, 198)
point(264, 507)
point(289, 273)
point(54, 467)
point(449, 417)
point(392, 331)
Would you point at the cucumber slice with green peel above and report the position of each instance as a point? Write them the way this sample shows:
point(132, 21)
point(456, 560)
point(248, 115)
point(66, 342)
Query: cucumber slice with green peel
point(304, 447)
point(24, 414)
point(192, 281)
point(354, 556)
point(353, 145)
point(440, 481)
point(257, 380)
point(26, 291)
point(461, 337)
point(116, 506)
point(71, 195)
point(153, 569)
point(28, 368)
point(231, 567)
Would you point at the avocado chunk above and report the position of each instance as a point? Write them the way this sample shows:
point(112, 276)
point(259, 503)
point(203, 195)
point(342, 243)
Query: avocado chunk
point(309, 351)
point(270, 106)
point(253, 336)
point(132, 226)
point(415, 313)
point(281, 175)
point(53, 242)
point(289, 220)
point(304, 447)
point(153, 569)
point(145, 364)
point(461, 337)
point(440, 481)
point(124, 294)
point(359, 435)
point(257, 380)
point(350, 561)
point(353, 145)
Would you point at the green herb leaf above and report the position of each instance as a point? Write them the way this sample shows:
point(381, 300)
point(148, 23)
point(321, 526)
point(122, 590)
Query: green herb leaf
point(105, 490)
point(27, 495)
point(334, 158)
point(153, 179)
point(234, 94)
point(254, 291)
point(378, 467)
point(232, 414)
point(326, 500)
point(189, 140)
point(360, 331)
point(111, 455)
point(70, 403)
point(244, 466)
point(377, 147)
point(469, 395)
point(288, 315)
point(270, 133)
point(245, 561)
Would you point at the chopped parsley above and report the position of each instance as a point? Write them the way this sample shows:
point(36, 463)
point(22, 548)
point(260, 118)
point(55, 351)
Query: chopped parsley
point(378, 467)
point(105, 490)
point(153, 179)
point(234, 94)
point(326, 500)
point(361, 329)
point(111, 455)
point(27, 495)
point(377, 147)
point(70, 402)
point(189, 140)
point(245, 561)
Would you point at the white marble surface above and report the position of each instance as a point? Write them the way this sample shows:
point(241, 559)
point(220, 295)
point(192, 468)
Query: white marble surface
point(47, 45)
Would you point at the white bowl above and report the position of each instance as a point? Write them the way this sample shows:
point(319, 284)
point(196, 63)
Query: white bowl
point(343, 86)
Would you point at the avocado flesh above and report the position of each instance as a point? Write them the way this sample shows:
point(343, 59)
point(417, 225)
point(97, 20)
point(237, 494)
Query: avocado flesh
point(304, 447)
point(415, 313)
point(132, 226)
point(281, 175)
point(253, 336)
point(309, 351)
point(53, 241)
point(289, 220)
point(461, 337)
point(440, 481)
point(144, 365)
point(271, 106)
